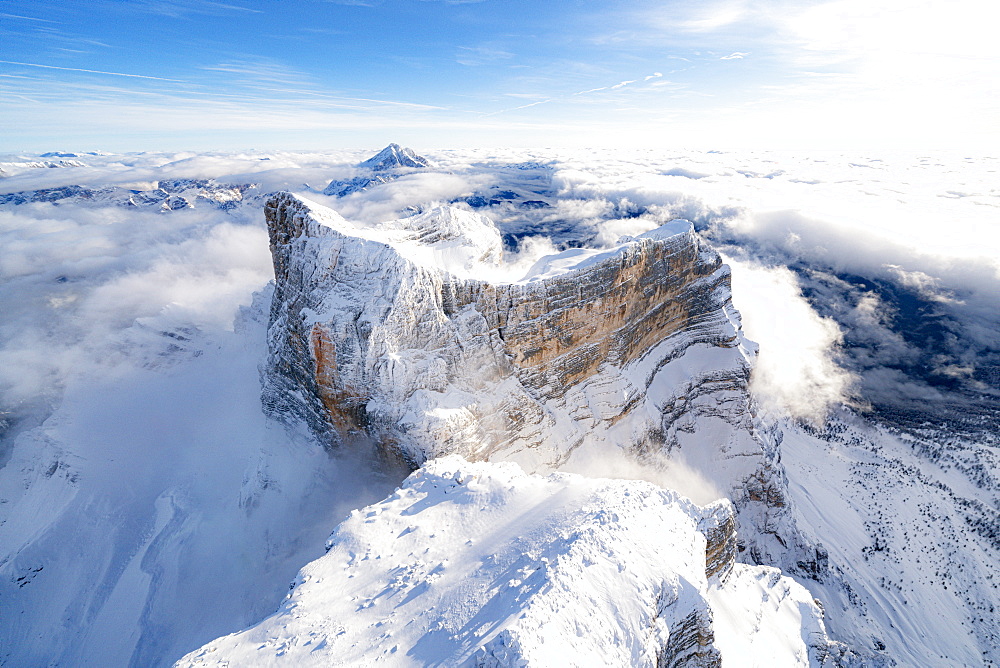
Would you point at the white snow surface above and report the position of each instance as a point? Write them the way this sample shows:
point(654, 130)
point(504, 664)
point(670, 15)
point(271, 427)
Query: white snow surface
point(461, 242)
point(911, 539)
point(574, 259)
point(481, 564)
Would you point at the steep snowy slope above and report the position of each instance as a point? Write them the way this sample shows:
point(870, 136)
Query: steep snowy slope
point(482, 565)
point(912, 539)
point(158, 508)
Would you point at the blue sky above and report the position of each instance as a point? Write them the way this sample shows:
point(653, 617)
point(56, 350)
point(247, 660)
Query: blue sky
point(192, 74)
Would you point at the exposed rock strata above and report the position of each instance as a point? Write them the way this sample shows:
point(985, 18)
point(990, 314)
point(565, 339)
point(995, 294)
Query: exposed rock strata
point(387, 333)
point(691, 643)
point(719, 528)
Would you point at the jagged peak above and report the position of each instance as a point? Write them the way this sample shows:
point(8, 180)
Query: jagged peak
point(394, 156)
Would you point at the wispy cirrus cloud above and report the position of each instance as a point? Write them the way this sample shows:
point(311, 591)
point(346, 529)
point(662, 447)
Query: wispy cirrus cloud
point(186, 8)
point(270, 76)
point(25, 18)
point(216, 102)
point(258, 70)
point(522, 106)
point(480, 55)
point(611, 87)
point(78, 69)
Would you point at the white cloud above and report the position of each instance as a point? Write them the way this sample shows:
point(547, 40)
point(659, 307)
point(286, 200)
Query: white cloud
point(77, 278)
point(388, 201)
point(76, 69)
point(673, 473)
point(795, 372)
point(715, 16)
point(482, 54)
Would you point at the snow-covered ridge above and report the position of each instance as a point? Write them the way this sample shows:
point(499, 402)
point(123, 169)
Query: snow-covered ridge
point(478, 564)
point(16, 167)
point(575, 259)
point(454, 240)
point(467, 244)
point(164, 195)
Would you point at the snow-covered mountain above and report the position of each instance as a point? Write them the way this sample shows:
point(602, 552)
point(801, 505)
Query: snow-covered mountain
point(388, 332)
point(385, 166)
point(394, 156)
point(148, 506)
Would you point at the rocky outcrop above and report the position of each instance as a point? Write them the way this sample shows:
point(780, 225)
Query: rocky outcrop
point(410, 334)
point(691, 643)
point(719, 528)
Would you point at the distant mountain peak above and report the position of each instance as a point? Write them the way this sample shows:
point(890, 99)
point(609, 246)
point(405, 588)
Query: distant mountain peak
point(393, 156)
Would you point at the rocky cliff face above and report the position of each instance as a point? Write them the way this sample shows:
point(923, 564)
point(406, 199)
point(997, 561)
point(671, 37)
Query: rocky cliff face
point(391, 333)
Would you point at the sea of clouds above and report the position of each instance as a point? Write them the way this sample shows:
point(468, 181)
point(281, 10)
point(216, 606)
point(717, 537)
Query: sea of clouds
point(866, 280)
point(823, 249)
